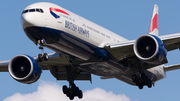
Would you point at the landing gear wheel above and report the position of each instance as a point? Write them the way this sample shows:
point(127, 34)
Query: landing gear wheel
point(45, 56)
point(72, 91)
point(149, 84)
point(140, 86)
point(65, 89)
point(67, 94)
point(71, 96)
point(80, 95)
point(40, 57)
point(77, 88)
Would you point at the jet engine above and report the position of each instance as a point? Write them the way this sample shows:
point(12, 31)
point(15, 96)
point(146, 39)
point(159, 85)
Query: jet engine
point(24, 69)
point(150, 49)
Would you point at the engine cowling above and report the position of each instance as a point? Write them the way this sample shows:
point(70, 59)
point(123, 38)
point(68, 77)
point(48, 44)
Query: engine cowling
point(24, 69)
point(151, 49)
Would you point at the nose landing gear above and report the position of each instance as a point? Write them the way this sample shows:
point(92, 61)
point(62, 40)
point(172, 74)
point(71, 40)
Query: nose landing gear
point(42, 56)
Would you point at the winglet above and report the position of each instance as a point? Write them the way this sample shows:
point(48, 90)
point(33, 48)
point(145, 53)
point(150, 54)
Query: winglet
point(154, 22)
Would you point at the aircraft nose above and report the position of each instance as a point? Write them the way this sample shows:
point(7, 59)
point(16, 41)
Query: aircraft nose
point(27, 20)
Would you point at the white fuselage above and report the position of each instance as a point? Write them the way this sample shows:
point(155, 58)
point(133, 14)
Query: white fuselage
point(98, 35)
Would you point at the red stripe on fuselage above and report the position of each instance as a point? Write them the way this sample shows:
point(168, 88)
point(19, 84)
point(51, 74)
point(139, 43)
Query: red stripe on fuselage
point(154, 23)
point(58, 10)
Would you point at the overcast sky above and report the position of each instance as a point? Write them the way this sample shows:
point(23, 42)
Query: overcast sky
point(128, 18)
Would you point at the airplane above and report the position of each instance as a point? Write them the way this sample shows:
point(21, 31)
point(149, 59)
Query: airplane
point(83, 48)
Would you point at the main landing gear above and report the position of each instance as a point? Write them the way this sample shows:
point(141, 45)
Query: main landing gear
point(42, 56)
point(72, 90)
point(142, 80)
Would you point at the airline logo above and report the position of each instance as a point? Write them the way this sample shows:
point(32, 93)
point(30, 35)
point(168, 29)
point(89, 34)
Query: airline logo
point(52, 10)
point(154, 22)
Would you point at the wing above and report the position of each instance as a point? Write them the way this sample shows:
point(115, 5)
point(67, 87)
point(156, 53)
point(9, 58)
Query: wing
point(171, 67)
point(171, 41)
point(122, 50)
point(4, 66)
point(58, 66)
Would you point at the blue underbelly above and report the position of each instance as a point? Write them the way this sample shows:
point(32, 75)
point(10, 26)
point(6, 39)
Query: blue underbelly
point(62, 42)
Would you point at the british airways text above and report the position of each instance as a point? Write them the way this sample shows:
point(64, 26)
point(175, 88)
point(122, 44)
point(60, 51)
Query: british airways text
point(76, 28)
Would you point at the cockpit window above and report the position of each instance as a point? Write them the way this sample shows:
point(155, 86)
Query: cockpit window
point(38, 10)
point(33, 10)
point(25, 11)
point(41, 11)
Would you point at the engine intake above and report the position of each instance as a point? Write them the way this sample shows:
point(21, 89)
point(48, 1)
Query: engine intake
point(24, 69)
point(151, 49)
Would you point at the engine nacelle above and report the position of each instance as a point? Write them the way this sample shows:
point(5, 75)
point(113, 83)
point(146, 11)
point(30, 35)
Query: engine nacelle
point(24, 69)
point(150, 49)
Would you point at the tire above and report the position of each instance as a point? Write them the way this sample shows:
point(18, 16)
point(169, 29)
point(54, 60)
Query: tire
point(77, 89)
point(149, 84)
point(140, 86)
point(40, 57)
point(71, 96)
point(65, 89)
point(45, 56)
point(67, 94)
point(80, 95)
